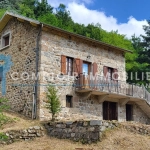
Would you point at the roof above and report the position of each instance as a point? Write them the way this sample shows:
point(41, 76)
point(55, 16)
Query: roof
point(8, 15)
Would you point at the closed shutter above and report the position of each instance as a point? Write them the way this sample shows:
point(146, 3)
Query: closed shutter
point(94, 68)
point(105, 71)
point(63, 64)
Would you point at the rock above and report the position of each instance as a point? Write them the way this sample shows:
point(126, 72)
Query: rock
point(37, 127)
point(102, 128)
point(95, 122)
point(73, 135)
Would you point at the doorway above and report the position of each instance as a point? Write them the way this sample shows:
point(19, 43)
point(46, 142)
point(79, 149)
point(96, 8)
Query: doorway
point(129, 112)
point(110, 111)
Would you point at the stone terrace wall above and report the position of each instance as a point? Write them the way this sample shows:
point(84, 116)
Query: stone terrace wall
point(83, 131)
point(22, 52)
point(27, 134)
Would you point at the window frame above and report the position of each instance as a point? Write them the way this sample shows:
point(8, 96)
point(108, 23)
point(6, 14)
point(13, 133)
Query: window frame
point(3, 46)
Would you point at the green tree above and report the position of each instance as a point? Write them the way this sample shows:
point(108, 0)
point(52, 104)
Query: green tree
point(49, 18)
point(53, 101)
point(42, 8)
point(64, 19)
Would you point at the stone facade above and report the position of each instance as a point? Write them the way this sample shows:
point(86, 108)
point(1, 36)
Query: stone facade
point(22, 53)
point(54, 44)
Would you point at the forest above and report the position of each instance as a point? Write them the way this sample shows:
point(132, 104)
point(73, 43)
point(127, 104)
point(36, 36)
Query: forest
point(137, 62)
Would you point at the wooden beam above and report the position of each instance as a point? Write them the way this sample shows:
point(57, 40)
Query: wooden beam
point(124, 101)
point(21, 20)
point(102, 98)
point(33, 24)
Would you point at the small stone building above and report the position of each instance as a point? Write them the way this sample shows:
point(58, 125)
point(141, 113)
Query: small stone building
point(89, 75)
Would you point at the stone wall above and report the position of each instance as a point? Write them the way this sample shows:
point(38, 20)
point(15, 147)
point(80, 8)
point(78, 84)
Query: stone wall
point(55, 44)
point(19, 91)
point(139, 115)
point(83, 131)
point(27, 134)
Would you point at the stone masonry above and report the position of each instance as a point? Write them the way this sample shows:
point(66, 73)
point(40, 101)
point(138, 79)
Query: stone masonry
point(22, 51)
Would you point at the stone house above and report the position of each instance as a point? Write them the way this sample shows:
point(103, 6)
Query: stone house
point(89, 75)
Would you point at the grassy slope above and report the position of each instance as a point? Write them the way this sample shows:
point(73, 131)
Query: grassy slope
point(118, 139)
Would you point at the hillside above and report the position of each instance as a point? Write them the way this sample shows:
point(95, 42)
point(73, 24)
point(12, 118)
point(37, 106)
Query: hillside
point(117, 139)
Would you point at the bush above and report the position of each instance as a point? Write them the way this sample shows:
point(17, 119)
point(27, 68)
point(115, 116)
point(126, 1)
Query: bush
point(53, 101)
point(3, 137)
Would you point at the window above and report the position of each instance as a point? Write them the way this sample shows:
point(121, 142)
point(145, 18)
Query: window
point(5, 40)
point(69, 66)
point(110, 73)
point(86, 68)
point(68, 101)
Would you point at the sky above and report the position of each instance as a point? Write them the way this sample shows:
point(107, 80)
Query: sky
point(126, 16)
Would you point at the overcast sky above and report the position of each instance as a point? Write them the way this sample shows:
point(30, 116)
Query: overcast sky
point(128, 17)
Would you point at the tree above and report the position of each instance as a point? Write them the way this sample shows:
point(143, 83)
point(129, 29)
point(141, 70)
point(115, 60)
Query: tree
point(9, 4)
point(49, 19)
point(63, 16)
point(42, 8)
point(53, 101)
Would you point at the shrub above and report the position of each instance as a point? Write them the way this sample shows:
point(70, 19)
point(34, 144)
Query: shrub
point(53, 101)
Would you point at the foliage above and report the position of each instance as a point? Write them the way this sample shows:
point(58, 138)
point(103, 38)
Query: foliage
point(2, 12)
point(53, 101)
point(3, 137)
point(138, 61)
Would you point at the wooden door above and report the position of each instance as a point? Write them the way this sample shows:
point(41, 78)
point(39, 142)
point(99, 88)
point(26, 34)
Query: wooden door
point(129, 112)
point(110, 111)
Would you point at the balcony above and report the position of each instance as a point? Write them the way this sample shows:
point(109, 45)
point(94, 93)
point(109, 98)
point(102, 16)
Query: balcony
point(113, 90)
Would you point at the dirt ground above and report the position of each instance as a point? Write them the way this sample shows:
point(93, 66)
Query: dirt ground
point(118, 139)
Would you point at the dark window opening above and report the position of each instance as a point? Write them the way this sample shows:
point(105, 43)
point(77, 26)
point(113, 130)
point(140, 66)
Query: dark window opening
point(69, 66)
point(68, 101)
point(129, 112)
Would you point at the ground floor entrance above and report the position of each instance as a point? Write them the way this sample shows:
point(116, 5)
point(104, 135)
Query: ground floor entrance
point(110, 111)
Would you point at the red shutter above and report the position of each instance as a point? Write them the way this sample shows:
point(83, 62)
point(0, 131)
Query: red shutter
point(63, 64)
point(78, 66)
point(94, 68)
point(105, 71)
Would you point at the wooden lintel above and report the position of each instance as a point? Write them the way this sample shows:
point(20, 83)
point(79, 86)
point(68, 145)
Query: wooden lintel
point(33, 24)
point(21, 20)
point(124, 101)
point(102, 98)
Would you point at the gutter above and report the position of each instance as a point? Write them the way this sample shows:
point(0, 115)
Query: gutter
point(35, 93)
